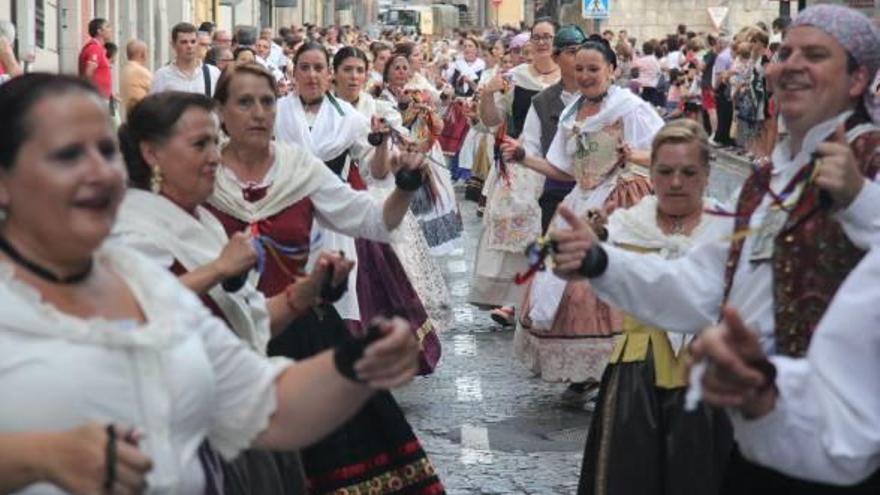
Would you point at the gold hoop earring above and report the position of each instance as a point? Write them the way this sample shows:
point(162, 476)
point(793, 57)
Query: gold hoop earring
point(156, 180)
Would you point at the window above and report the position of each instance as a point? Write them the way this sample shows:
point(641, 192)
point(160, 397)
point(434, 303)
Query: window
point(40, 23)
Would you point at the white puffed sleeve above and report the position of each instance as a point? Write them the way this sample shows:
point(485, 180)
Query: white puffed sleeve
point(825, 426)
point(144, 244)
point(640, 126)
point(556, 154)
point(349, 212)
point(244, 388)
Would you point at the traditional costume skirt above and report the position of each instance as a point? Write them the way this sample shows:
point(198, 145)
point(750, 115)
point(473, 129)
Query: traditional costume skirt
point(383, 289)
point(744, 477)
point(476, 157)
point(565, 332)
point(641, 440)
point(511, 221)
point(439, 216)
point(375, 451)
point(347, 307)
point(411, 247)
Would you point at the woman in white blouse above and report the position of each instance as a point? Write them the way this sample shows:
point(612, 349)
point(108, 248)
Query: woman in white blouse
point(95, 334)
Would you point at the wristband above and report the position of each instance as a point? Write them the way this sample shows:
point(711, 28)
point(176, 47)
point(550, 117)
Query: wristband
point(768, 369)
point(376, 138)
point(408, 180)
point(519, 154)
point(350, 351)
point(329, 293)
point(594, 263)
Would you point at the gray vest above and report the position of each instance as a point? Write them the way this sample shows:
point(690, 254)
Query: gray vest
point(548, 105)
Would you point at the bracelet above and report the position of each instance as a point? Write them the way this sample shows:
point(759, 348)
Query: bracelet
point(595, 262)
point(519, 154)
point(768, 369)
point(408, 180)
point(110, 459)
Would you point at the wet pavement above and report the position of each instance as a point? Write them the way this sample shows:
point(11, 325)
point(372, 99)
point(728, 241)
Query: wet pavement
point(488, 425)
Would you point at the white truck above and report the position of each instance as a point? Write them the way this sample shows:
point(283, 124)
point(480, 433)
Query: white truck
point(426, 20)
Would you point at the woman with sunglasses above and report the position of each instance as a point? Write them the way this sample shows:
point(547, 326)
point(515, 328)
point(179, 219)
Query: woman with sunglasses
point(512, 213)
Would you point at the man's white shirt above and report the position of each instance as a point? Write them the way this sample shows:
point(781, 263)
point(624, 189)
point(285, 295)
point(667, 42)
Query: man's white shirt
point(171, 78)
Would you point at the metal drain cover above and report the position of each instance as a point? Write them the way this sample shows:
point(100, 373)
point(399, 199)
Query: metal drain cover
point(576, 435)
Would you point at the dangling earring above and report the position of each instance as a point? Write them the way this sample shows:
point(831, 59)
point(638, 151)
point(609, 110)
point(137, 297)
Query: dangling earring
point(156, 180)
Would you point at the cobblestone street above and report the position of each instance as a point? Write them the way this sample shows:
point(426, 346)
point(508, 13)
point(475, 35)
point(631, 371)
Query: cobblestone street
point(489, 426)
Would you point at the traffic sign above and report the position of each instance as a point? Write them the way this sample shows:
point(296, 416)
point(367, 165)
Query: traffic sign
point(496, 3)
point(718, 15)
point(595, 9)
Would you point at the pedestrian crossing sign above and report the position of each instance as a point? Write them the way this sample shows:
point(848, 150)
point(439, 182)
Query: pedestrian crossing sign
point(595, 9)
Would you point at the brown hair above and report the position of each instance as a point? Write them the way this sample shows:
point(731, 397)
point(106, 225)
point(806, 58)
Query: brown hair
point(221, 94)
point(154, 120)
point(682, 131)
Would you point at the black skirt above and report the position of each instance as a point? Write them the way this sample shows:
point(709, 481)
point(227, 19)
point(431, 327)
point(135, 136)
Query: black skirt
point(376, 451)
point(643, 442)
point(744, 478)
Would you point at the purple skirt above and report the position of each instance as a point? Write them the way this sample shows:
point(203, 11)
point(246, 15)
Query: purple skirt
point(384, 289)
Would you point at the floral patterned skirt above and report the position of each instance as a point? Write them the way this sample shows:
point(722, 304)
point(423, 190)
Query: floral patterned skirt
point(376, 451)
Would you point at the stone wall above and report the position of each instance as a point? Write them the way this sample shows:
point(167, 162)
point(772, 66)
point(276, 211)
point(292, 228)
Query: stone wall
point(647, 19)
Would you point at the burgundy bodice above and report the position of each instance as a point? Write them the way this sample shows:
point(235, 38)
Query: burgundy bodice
point(291, 226)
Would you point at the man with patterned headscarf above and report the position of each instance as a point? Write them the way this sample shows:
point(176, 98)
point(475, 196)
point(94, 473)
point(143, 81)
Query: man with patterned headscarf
point(803, 222)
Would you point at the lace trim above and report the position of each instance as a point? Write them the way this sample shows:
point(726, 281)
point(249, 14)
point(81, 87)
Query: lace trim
point(28, 312)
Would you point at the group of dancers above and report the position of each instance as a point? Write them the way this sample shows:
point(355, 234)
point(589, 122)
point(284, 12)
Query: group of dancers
point(600, 246)
point(309, 226)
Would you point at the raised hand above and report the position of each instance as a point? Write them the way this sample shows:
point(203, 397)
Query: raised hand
point(737, 371)
point(237, 257)
point(837, 170)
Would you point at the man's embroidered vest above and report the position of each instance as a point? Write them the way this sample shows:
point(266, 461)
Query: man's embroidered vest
point(811, 257)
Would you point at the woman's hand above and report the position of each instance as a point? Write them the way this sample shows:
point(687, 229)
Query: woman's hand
point(410, 160)
point(238, 256)
point(495, 85)
point(378, 124)
point(511, 150)
point(76, 462)
point(328, 260)
point(391, 361)
point(624, 152)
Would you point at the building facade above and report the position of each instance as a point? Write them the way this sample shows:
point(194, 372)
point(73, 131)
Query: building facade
point(50, 33)
point(646, 19)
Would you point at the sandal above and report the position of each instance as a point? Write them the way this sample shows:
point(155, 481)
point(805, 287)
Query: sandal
point(503, 316)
